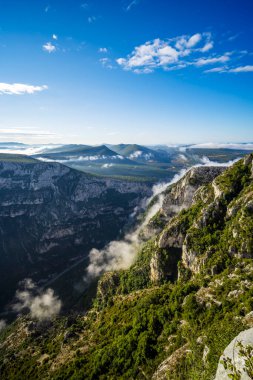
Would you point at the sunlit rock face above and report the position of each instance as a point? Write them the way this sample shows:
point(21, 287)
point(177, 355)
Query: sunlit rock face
point(51, 214)
point(232, 352)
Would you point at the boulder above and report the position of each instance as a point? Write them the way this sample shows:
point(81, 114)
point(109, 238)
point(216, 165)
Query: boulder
point(232, 352)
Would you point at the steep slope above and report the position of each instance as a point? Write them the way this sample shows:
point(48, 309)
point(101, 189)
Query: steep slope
point(172, 326)
point(51, 214)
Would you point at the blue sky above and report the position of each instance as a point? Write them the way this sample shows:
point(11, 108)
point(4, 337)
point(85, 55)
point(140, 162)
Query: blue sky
point(144, 71)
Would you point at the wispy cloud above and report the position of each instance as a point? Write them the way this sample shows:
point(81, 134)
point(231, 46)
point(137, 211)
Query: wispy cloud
point(182, 52)
point(242, 69)
point(20, 89)
point(54, 37)
point(227, 69)
point(234, 37)
point(212, 60)
point(215, 70)
point(106, 62)
point(103, 50)
point(47, 8)
point(84, 5)
point(25, 131)
point(49, 47)
point(92, 19)
point(131, 4)
point(210, 145)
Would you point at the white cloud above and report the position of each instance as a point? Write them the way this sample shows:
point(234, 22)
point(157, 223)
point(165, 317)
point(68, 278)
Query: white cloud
point(215, 70)
point(55, 37)
point(49, 47)
point(226, 69)
point(132, 4)
point(242, 69)
point(43, 305)
point(106, 166)
point(103, 50)
point(212, 60)
point(106, 62)
point(181, 52)
point(165, 53)
point(210, 145)
point(208, 46)
point(194, 40)
point(20, 88)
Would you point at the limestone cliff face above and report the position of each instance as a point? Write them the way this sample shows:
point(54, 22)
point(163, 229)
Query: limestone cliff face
point(179, 196)
point(50, 214)
point(215, 218)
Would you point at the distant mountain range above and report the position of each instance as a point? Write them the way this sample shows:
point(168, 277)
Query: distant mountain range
point(159, 162)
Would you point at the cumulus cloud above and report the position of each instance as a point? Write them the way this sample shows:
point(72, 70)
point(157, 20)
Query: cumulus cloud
point(20, 88)
point(163, 53)
point(179, 53)
point(42, 305)
point(49, 47)
point(55, 37)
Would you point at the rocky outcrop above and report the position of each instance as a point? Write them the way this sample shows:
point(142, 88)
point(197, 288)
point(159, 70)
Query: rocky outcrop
point(180, 195)
point(233, 354)
point(169, 365)
point(214, 218)
point(51, 214)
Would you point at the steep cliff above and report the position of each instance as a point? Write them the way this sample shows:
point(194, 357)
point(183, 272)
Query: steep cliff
point(51, 214)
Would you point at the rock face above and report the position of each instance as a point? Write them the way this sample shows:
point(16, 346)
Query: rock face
point(51, 214)
point(232, 352)
point(214, 218)
point(179, 196)
point(168, 365)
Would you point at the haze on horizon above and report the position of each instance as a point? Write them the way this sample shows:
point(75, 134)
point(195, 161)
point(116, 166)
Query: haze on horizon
point(131, 71)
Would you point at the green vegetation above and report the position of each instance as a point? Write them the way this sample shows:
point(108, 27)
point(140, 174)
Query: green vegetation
point(17, 158)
